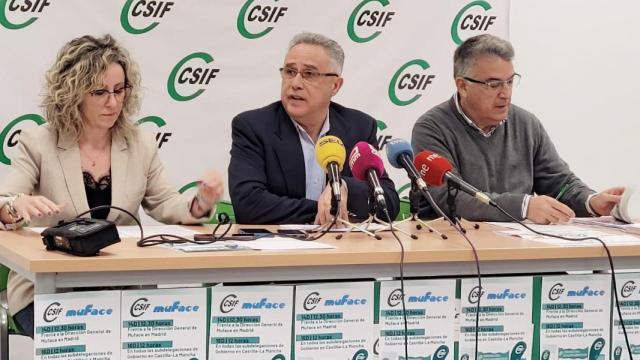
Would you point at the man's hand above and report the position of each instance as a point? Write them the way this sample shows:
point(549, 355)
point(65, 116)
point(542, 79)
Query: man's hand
point(603, 202)
point(547, 210)
point(324, 205)
point(210, 189)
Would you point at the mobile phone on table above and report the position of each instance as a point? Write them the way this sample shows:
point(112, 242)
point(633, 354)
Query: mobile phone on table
point(254, 231)
point(293, 233)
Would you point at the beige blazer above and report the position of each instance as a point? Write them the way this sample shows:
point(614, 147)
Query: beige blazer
point(49, 165)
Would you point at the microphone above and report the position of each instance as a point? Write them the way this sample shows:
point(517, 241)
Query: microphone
point(330, 154)
point(436, 170)
point(400, 156)
point(367, 165)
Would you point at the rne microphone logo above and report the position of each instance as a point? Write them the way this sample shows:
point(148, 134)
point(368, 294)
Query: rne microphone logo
point(191, 71)
point(20, 9)
point(410, 78)
point(260, 13)
point(11, 133)
point(366, 18)
point(142, 11)
point(161, 137)
point(472, 19)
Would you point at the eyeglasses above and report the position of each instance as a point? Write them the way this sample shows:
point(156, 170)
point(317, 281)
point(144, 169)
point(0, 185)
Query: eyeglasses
point(103, 94)
point(497, 85)
point(309, 76)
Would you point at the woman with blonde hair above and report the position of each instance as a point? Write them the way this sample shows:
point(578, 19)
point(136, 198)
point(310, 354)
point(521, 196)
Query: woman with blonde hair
point(89, 154)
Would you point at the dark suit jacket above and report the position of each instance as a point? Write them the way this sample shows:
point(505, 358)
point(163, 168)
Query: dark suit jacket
point(267, 172)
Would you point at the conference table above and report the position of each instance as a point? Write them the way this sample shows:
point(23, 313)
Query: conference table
point(355, 256)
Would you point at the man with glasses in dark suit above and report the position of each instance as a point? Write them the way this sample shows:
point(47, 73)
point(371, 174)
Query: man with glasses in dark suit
point(274, 177)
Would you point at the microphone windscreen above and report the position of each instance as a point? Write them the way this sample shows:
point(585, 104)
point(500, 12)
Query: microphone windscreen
point(364, 157)
point(432, 167)
point(330, 149)
point(395, 148)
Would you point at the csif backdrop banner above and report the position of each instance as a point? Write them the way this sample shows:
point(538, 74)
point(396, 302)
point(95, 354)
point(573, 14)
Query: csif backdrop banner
point(205, 61)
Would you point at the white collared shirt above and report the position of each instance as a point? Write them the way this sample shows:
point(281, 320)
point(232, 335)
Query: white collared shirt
point(314, 174)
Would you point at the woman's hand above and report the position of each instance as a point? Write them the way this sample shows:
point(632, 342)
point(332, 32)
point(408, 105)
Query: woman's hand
point(28, 206)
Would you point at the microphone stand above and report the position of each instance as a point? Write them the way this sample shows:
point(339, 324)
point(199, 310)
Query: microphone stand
point(335, 206)
point(414, 206)
point(374, 217)
point(452, 192)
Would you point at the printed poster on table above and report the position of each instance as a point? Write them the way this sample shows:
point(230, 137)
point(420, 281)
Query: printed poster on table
point(430, 310)
point(334, 321)
point(629, 297)
point(251, 322)
point(77, 325)
point(506, 318)
point(575, 317)
point(164, 324)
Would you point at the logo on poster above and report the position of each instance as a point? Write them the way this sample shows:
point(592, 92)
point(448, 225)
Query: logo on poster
point(161, 137)
point(368, 18)
point(410, 78)
point(441, 352)
point(472, 18)
point(556, 291)
point(189, 71)
point(228, 303)
point(52, 312)
point(20, 8)
point(475, 294)
point(506, 294)
point(361, 354)
point(264, 303)
point(311, 301)
point(628, 288)
point(257, 12)
point(428, 297)
point(11, 133)
point(395, 298)
point(139, 307)
point(143, 9)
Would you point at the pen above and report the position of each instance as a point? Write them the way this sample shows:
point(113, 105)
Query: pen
point(562, 191)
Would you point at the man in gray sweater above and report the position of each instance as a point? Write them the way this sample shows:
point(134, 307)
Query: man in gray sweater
point(501, 148)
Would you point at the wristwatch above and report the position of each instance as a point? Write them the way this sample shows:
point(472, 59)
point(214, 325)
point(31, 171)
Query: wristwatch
point(13, 212)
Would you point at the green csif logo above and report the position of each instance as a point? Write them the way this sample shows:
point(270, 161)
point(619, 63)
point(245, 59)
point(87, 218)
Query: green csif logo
point(361, 354)
point(184, 73)
point(252, 13)
point(136, 9)
point(161, 137)
point(20, 6)
point(471, 21)
point(409, 80)
point(11, 132)
point(362, 17)
point(382, 140)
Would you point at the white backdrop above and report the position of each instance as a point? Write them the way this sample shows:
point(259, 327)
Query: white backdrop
point(243, 44)
point(579, 61)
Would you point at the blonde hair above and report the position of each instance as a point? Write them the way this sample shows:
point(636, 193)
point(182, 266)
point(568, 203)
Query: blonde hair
point(79, 68)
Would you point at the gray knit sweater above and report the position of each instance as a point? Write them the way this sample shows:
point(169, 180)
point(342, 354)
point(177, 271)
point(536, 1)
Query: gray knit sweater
point(517, 159)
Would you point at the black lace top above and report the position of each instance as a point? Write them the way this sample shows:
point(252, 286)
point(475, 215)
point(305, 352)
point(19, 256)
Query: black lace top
point(98, 193)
